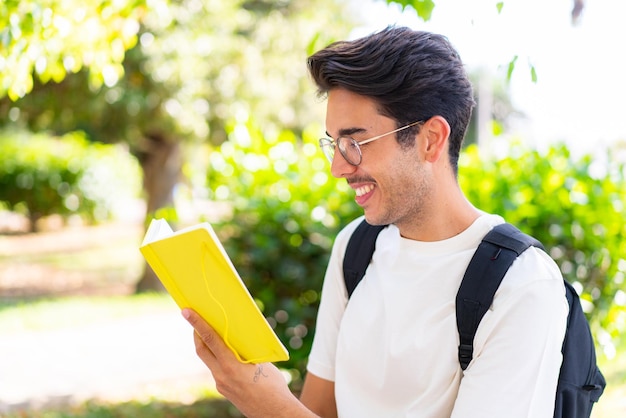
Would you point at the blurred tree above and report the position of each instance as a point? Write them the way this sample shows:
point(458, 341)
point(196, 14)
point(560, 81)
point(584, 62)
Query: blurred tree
point(197, 65)
point(50, 39)
point(154, 72)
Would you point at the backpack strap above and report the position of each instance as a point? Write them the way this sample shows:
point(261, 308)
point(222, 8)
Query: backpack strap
point(492, 259)
point(359, 252)
point(499, 248)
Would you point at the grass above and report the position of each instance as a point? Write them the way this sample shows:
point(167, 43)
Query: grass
point(209, 408)
point(56, 313)
point(62, 313)
point(77, 279)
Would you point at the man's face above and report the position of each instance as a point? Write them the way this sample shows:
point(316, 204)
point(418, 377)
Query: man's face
point(392, 183)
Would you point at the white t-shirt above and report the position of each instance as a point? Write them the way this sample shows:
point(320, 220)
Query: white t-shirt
point(392, 351)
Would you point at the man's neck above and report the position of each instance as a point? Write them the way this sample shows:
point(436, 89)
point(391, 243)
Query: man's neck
point(451, 216)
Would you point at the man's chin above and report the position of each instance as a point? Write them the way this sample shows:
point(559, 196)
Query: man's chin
point(374, 220)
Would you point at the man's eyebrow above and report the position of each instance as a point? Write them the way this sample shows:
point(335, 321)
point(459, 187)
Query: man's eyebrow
point(348, 131)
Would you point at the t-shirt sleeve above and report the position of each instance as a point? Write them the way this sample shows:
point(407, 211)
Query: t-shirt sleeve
point(517, 348)
point(332, 306)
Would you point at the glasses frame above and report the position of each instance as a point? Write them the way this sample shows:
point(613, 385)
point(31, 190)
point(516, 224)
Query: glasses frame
point(326, 143)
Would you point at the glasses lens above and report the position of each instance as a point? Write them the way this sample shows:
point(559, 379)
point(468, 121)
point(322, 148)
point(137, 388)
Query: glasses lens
point(350, 150)
point(328, 148)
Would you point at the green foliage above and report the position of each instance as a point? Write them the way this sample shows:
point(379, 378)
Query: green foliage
point(423, 8)
point(195, 65)
point(576, 207)
point(286, 210)
point(511, 67)
point(42, 175)
point(51, 38)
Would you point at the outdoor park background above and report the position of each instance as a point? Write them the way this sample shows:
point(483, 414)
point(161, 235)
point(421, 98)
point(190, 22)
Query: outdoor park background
point(212, 117)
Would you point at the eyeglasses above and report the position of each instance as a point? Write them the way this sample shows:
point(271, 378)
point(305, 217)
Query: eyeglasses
point(349, 148)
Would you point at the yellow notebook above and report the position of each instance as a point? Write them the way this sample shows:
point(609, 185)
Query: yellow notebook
point(196, 271)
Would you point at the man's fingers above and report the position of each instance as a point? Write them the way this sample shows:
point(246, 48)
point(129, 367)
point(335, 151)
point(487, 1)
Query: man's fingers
point(203, 352)
point(202, 328)
point(206, 334)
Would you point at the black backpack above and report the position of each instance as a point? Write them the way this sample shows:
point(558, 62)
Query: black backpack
point(580, 381)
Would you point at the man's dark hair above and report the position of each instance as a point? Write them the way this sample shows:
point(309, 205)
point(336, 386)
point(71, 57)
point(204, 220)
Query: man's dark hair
point(411, 75)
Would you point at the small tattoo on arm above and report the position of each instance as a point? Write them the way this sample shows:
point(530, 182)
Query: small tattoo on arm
point(258, 373)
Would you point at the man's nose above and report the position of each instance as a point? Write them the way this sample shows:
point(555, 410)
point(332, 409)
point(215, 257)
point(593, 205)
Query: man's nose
point(340, 167)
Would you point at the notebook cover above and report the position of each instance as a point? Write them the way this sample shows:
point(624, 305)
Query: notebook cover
point(215, 291)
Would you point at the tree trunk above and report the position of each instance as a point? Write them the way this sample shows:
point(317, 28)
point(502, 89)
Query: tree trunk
point(161, 163)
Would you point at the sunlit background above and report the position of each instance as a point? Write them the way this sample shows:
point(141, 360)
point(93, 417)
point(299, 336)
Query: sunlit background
point(218, 121)
point(578, 95)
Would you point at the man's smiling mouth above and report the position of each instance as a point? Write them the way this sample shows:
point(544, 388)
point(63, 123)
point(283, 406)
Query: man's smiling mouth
point(360, 191)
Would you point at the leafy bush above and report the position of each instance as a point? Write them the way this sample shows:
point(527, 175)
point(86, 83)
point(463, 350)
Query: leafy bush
point(287, 208)
point(41, 175)
point(576, 207)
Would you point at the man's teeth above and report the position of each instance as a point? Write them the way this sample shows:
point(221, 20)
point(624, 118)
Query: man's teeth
point(364, 190)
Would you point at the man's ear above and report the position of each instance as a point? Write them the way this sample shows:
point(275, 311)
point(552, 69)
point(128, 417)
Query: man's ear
point(436, 131)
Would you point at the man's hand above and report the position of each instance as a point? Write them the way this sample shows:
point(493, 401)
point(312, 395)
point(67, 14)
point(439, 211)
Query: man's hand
point(257, 390)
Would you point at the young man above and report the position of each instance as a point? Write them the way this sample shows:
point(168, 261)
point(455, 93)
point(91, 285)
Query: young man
point(399, 102)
